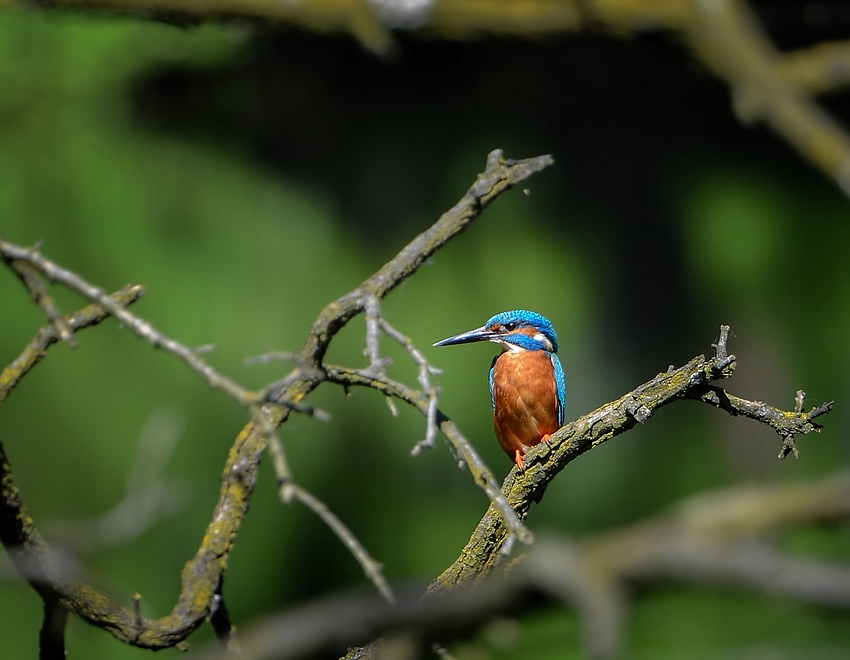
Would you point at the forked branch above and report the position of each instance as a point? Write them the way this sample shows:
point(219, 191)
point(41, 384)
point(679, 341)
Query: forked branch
point(721, 538)
point(691, 381)
point(200, 597)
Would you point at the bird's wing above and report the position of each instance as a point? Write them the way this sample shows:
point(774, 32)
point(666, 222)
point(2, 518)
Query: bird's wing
point(492, 388)
point(562, 387)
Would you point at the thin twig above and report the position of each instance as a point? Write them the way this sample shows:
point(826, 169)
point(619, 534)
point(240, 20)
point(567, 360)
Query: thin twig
point(372, 312)
point(431, 424)
point(46, 337)
point(465, 451)
point(239, 475)
point(425, 372)
point(41, 296)
point(288, 491)
point(425, 368)
point(281, 469)
point(787, 424)
point(372, 568)
point(141, 327)
point(281, 356)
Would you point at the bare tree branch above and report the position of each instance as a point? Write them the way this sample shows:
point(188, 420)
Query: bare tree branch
point(692, 381)
point(41, 296)
point(288, 491)
point(37, 348)
point(499, 175)
point(426, 370)
point(373, 569)
point(201, 578)
point(726, 35)
point(51, 637)
point(466, 453)
point(200, 596)
point(14, 253)
point(717, 538)
point(708, 539)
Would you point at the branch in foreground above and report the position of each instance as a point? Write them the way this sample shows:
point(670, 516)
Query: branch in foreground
point(711, 539)
point(767, 84)
point(720, 538)
point(201, 577)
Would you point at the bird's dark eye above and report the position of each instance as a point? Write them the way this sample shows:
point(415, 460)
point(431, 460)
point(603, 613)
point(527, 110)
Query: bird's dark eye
point(510, 327)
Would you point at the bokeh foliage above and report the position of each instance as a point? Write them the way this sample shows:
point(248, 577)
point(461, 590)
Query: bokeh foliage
point(242, 253)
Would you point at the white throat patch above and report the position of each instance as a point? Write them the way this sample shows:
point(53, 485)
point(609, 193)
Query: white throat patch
point(508, 347)
point(543, 339)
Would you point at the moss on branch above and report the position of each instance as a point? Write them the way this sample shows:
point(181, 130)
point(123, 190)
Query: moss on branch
point(692, 381)
point(200, 594)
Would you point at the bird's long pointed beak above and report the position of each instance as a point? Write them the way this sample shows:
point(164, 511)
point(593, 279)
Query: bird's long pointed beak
point(479, 334)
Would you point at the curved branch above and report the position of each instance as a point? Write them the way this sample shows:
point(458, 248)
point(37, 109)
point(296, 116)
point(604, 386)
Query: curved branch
point(482, 474)
point(201, 577)
point(499, 176)
point(691, 381)
point(726, 35)
point(715, 538)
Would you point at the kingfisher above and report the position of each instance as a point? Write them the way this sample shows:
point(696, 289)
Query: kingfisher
point(527, 388)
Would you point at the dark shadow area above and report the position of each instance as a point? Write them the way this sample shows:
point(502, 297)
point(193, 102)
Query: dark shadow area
point(621, 117)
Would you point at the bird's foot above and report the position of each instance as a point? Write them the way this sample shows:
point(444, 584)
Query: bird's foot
point(519, 460)
point(545, 439)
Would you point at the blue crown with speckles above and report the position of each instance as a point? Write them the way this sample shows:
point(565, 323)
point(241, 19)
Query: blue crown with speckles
point(524, 318)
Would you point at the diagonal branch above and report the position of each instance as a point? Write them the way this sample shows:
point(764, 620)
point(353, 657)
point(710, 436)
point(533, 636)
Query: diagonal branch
point(41, 296)
point(544, 462)
point(464, 449)
point(288, 490)
point(499, 176)
point(191, 357)
point(37, 348)
point(373, 569)
point(201, 577)
point(718, 538)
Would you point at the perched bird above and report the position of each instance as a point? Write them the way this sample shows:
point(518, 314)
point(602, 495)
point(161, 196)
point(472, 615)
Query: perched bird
point(527, 386)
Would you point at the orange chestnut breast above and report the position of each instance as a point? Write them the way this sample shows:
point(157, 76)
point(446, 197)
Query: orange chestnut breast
point(525, 397)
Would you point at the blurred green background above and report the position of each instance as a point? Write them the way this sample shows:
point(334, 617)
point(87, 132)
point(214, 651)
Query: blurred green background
point(248, 177)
